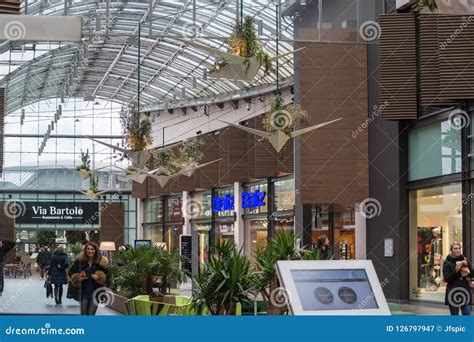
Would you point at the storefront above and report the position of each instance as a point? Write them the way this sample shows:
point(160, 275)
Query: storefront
point(163, 220)
point(436, 212)
point(338, 224)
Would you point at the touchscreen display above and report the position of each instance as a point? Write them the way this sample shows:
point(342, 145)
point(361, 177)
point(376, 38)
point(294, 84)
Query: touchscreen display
point(334, 289)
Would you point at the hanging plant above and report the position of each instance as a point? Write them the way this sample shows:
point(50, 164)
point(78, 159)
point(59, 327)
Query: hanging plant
point(190, 153)
point(244, 42)
point(93, 185)
point(166, 161)
point(283, 118)
point(137, 132)
point(85, 168)
point(422, 4)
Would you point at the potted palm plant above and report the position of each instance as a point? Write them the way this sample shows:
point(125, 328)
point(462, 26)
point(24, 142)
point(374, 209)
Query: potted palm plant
point(225, 281)
point(282, 247)
point(85, 168)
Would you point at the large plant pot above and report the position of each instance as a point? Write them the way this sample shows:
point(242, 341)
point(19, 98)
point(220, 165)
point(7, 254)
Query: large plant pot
point(117, 303)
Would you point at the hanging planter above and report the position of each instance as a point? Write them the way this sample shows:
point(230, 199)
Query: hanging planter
point(170, 165)
point(85, 168)
point(244, 56)
point(431, 5)
point(280, 123)
point(244, 43)
point(93, 192)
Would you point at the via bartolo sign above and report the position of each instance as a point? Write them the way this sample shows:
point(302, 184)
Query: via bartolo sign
point(57, 213)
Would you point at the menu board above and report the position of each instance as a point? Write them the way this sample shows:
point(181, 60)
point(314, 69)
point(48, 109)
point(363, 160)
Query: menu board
point(185, 249)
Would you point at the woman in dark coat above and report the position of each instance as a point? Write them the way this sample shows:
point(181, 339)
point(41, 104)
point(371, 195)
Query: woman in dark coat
point(88, 273)
point(456, 273)
point(57, 273)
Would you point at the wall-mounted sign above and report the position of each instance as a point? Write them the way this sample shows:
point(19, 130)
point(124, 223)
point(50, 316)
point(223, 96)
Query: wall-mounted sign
point(57, 213)
point(253, 199)
point(223, 203)
point(249, 200)
point(142, 243)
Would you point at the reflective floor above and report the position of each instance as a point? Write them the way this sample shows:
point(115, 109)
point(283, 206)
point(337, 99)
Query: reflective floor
point(28, 296)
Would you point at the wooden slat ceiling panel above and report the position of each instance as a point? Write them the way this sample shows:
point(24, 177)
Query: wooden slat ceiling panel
point(429, 63)
point(398, 66)
point(456, 63)
point(9, 6)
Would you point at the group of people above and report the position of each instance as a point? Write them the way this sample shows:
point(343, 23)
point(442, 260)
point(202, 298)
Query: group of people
point(87, 273)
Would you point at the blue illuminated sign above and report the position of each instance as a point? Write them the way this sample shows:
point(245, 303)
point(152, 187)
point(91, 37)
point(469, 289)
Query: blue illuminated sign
point(249, 200)
point(223, 203)
point(253, 199)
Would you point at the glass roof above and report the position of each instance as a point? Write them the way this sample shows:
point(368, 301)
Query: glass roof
point(104, 65)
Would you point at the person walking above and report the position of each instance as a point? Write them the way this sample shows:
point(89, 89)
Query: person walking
point(322, 245)
point(43, 259)
point(456, 272)
point(57, 273)
point(5, 247)
point(88, 273)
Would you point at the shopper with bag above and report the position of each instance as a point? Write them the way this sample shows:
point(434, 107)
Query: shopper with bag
point(43, 260)
point(57, 273)
point(457, 273)
point(88, 273)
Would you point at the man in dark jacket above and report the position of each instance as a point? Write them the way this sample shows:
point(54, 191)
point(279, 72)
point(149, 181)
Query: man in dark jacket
point(5, 247)
point(456, 273)
point(43, 260)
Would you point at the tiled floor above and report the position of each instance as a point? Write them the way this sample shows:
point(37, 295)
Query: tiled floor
point(28, 296)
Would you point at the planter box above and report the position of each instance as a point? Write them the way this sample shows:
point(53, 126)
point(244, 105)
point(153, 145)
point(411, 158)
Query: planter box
point(117, 303)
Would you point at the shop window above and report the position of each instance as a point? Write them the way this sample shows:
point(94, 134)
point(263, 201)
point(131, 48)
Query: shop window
point(258, 235)
point(174, 209)
point(284, 223)
point(153, 232)
point(220, 202)
point(203, 205)
point(172, 237)
point(284, 195)
point(434, 150)
point(225, 231)
point(262, 207)
point(435, 223)
point(204, 242)
point(153, 210)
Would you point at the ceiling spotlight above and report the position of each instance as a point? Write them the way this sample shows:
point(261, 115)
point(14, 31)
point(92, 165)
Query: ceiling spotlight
point(199, 132)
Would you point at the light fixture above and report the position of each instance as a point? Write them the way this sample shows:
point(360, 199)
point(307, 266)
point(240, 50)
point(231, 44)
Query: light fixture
point(108, 246)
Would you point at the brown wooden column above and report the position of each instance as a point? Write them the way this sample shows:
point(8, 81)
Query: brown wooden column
point(7, 230)
point(113, 223)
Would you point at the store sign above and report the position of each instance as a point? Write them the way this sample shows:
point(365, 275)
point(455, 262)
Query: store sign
point(249, 200)
point(253, 199)
point(57, 213)
point(223, 203)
